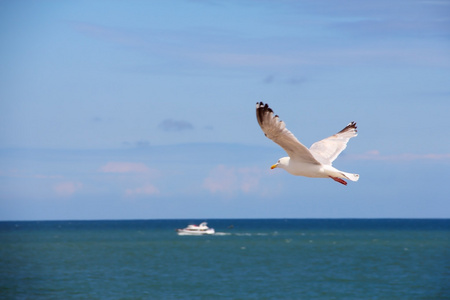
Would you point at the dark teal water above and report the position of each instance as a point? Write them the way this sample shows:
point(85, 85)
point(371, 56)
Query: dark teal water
point(250, 259)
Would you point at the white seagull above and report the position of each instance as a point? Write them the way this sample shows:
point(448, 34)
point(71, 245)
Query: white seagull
point(313, 162)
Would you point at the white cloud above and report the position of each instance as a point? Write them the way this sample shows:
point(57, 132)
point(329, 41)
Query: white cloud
point(67, 189)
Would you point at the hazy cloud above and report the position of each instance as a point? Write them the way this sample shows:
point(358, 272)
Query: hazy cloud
point(221, 179)
point(136, 174)
point(234, 59)
point(115, 35)
point(250, 178)
point(296, 80)
point(173, 125)
point(354, 20)
point(67, 189)
point(376, 155)
point(42, 176)
point(145, 190)
point(269, 79)
point(291, 80)
point(23, 174)
point(142, 144)
point(124, 167)
point(230, 180)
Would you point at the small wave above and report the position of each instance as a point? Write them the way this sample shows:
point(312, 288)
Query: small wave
point(253, 234)
point(222, 233)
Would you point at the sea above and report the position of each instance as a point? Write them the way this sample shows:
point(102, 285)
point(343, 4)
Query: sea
point(245, 259)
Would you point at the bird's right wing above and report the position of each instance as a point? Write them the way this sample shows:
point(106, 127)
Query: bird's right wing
point(276, 130)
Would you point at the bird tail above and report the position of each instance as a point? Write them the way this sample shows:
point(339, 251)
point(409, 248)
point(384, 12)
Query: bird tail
point(350, 176)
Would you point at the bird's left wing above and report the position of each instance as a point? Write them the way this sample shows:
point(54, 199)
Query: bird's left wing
point(327, 150)
point(276, 130)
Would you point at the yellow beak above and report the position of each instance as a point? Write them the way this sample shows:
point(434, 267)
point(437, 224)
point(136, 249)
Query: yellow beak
point(274, 166)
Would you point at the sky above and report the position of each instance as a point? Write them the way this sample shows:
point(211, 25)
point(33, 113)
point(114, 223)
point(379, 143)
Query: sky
point(146, 109)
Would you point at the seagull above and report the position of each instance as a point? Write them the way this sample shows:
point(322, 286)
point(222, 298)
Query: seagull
point(314, 162)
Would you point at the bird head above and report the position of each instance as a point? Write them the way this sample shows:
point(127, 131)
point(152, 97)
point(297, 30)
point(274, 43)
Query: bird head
point(281, 163)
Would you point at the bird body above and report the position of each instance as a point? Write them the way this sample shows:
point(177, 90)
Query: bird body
point(314, 162)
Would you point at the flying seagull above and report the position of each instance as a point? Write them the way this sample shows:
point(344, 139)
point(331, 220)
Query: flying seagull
point(313, 162)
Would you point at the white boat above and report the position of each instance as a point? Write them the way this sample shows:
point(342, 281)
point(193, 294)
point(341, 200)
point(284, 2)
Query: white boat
point(201, 229)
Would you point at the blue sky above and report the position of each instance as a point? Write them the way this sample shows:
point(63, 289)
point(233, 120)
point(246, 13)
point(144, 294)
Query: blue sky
point(146, 109)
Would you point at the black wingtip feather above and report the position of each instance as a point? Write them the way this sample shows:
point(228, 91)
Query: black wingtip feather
point(352, 125)
point(262, 109)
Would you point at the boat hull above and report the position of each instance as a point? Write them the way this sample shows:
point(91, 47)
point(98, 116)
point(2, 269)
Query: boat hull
point(201, 229)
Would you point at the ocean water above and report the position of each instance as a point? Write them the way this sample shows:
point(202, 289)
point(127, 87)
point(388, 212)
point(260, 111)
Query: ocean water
point(246, 259)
